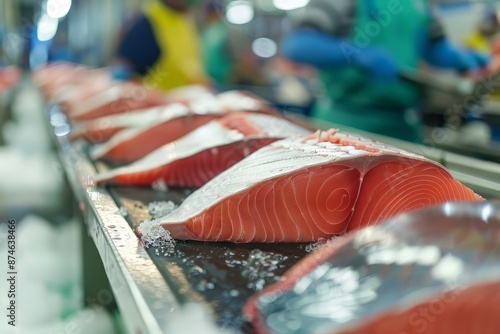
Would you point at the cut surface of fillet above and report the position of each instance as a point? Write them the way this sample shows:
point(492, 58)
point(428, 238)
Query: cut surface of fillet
point(117, 99)
point(132, 144)
point(434, 271)
point(55, 78)
point(299, 190)
point(104, 128)
point(202, 105)
point(202, 154)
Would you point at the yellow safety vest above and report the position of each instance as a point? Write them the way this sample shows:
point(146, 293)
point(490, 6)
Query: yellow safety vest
point(180, 61)
point(477, 42)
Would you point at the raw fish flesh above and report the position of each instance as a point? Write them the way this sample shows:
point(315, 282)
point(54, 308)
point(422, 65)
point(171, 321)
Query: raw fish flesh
point(89, 85)
point(132, 144)
point(299, 190)
point(206, 107)
point(118, 98)
point(202, 154)
point(104, 128)
point(65, 81)
point(435, 271)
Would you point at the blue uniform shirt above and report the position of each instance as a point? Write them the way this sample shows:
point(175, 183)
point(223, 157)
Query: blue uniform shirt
point(139, 47)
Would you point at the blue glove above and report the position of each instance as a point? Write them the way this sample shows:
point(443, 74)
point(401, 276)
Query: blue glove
point(379, 62)
point(121, 72)
point(445, 55)
point(481, 59)
point(321, 50)
point(314, 48)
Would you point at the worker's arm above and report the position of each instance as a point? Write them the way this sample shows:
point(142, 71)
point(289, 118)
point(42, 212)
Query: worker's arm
point(318, 49)
point(319, 32)
point(444, 54)
point(322, 39)
point(314, 48)
point(438, 51)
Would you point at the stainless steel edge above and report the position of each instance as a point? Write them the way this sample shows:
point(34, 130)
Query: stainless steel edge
point(142, 294)
point(486, 188)
point(479, 168)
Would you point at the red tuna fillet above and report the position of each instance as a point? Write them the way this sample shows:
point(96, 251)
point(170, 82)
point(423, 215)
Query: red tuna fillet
point(299, 190)
point(62, 82)
point(90, 84)
point(104, 128)
point(133, 144)
point(196, 158)
point(57, 72)
point(119, 98)
point(205, 107)
point(435, 271)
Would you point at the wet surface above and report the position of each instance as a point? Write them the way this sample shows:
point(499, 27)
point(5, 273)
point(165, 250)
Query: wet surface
point(222, 275)
point(410, 262)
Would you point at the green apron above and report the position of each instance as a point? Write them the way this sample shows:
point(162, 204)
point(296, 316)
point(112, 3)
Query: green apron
point(217, 62)
point(353, 97)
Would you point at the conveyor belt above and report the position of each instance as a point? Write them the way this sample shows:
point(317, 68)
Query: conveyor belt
point(151, 285)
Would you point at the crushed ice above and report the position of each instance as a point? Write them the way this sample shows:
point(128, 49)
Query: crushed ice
point(154, 235)
point(123, 211)
point(159, 185)
point(320, 244)
point(258, 268)
point(160, 209)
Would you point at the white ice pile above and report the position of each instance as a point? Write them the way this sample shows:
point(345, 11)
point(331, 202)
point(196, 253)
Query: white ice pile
point(29, 180)
point(160, 209)
point(30, 175)
point(49, 281)
point(154, 235)
point(27, 131)
point(159, 185)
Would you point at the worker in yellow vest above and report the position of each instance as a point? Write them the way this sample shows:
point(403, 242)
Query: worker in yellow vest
point(162, 47)
point(481, 38)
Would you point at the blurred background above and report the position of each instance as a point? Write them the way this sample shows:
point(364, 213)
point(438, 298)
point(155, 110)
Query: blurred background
point(242, 43)
point(242, 49)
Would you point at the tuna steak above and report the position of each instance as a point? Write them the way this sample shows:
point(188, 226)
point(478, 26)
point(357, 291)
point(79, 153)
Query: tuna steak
point(103, 128)
point(206, 107)
point(133, 144)
point(55, 76)
point(299, 190)
point(435, 271)
point(196, 158)
point(117, 99)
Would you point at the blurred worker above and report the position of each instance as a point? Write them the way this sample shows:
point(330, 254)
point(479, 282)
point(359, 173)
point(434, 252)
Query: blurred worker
point(162, 46)
point(228, 55)
point(218, 60)
point(481, 39)
point(360, 48)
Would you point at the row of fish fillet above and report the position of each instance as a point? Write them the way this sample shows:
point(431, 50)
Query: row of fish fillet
point(262, 178)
